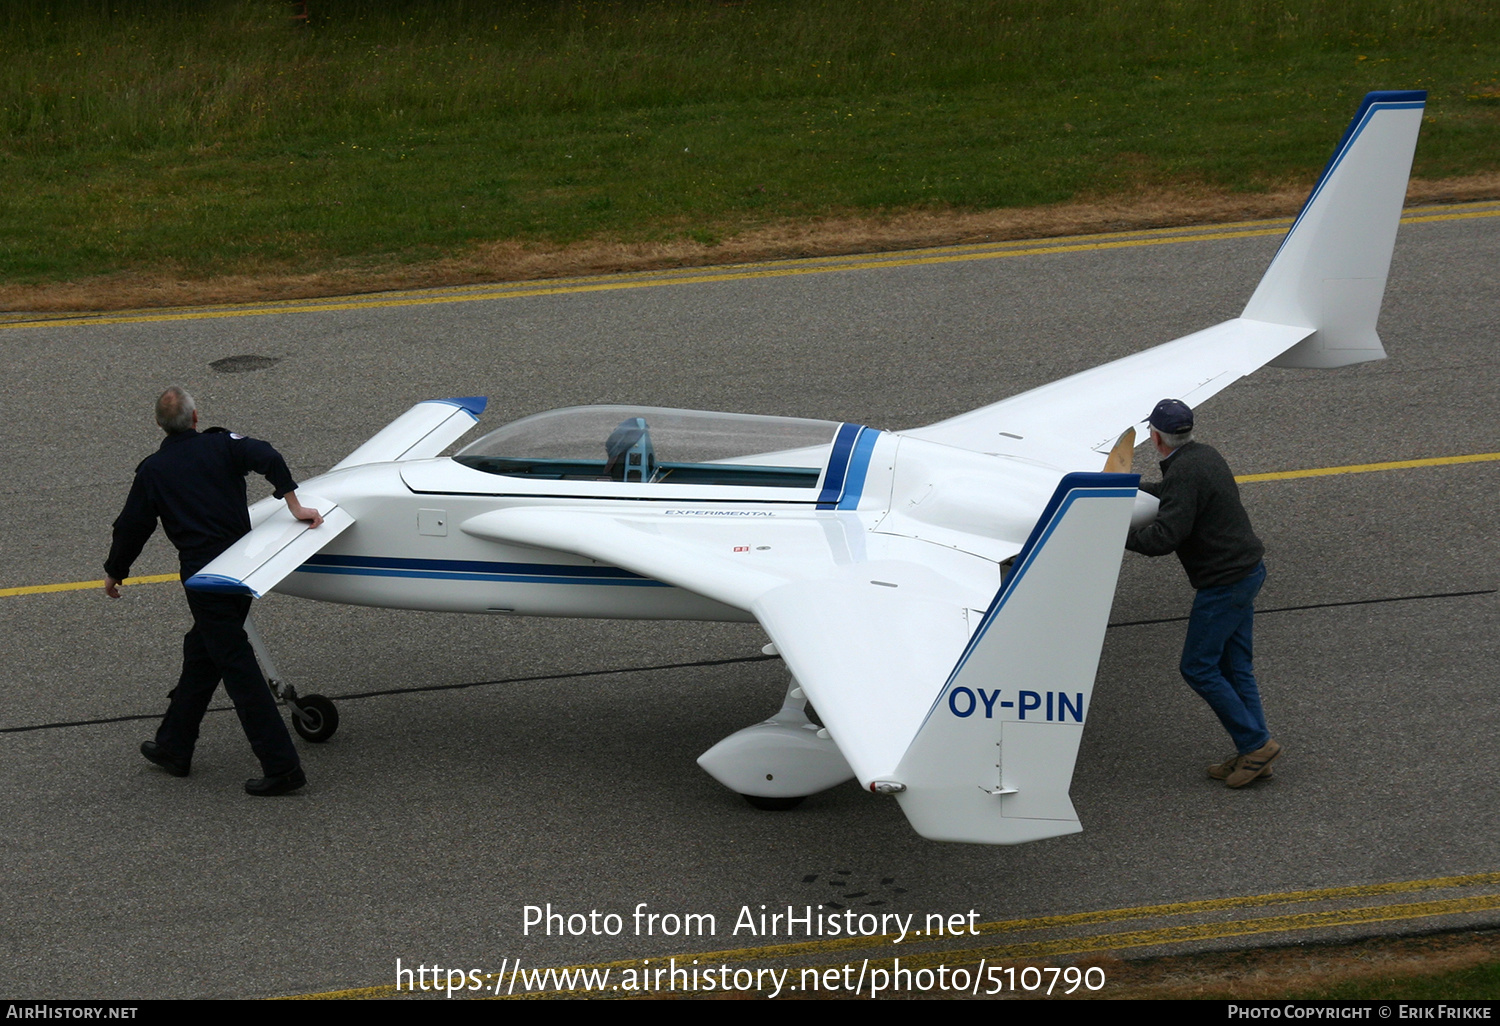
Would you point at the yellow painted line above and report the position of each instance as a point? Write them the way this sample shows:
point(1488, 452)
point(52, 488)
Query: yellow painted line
point(1449, 217)
point(1369, 468)
point(501, 290)
point(1101, 942)
point(1020, 953)
point(668, 276)
point(1281, 475)
point(1029, 952)
point(653, 279)
point(1215, 931)
point(700, 278)
point(1014, 955)
point(1220, 904)
point(42, 589)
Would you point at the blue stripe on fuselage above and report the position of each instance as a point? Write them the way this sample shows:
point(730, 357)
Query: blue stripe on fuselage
point(847, 464)
point(475, 570)
point(859, 465)
point(838, 465)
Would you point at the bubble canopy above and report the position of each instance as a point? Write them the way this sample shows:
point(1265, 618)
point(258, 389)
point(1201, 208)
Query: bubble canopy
point(652, 444)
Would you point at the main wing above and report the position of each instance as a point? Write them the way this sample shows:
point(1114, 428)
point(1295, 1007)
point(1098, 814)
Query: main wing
point(869, 639)
point(922, 673)
point(1316, 306)
point(1069, 421)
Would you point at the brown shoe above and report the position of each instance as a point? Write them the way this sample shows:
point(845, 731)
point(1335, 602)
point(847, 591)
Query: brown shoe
point(1221, 770)
point(1255, 765)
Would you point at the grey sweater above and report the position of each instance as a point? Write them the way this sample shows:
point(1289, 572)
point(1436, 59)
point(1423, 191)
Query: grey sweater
point(1201, 519)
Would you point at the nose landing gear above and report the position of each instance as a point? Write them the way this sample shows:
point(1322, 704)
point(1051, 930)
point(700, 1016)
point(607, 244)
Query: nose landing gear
point(314, 717)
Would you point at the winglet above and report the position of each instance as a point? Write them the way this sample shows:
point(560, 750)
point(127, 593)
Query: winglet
point(1330, 271)
point(992, 762)
point(421, 432)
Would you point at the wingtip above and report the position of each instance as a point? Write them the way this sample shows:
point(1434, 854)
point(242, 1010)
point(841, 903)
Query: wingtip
point(219, 583)
point(474, 404)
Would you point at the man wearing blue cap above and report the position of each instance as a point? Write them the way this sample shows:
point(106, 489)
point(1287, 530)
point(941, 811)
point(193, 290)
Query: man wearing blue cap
point(1202, 520)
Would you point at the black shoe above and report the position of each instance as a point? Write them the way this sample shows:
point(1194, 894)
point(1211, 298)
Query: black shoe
point(173, 765)
point(285, 783)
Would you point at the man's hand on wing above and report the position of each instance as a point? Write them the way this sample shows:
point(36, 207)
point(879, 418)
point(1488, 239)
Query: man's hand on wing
point(301, 512)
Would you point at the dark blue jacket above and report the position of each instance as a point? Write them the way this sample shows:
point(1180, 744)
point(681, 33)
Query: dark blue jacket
point(195, 484)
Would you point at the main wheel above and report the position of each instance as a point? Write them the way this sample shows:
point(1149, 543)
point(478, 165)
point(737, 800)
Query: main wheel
point(773, 804)
point(314, 718)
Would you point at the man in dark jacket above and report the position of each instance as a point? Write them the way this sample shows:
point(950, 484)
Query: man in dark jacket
point(1201, 519)
point(195, 484)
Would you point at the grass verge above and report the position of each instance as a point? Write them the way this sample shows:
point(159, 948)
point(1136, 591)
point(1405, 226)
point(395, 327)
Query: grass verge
point(222, 138)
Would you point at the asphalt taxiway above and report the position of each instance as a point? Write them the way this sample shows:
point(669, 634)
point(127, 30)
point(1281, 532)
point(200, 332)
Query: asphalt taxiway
point(489, 764)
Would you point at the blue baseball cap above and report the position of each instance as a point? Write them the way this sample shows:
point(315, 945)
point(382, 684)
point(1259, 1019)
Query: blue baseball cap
point(1171, 417)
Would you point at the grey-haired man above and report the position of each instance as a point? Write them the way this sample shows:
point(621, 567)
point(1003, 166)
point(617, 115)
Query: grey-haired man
point(1202, 520)
point(195, 485)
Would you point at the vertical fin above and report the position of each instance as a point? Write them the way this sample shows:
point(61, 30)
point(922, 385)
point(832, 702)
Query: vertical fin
point(993, 760)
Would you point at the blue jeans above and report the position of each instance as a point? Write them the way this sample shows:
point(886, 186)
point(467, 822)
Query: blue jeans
point(1217, 658)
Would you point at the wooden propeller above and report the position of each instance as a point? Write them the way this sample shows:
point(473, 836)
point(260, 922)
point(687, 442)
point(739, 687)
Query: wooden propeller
point(1122, 454)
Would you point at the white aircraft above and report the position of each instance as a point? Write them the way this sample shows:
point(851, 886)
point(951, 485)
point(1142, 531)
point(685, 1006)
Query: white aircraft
point(939, 595)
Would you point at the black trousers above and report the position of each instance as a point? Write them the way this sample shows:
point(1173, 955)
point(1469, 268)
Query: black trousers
point(217, 648)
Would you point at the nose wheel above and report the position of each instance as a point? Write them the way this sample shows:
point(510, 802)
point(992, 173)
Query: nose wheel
point(314, 717)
